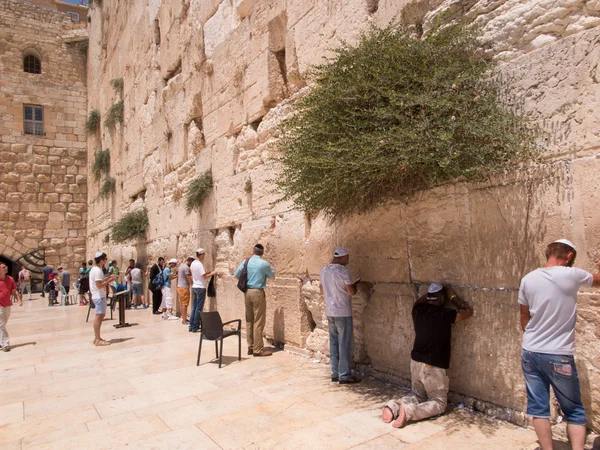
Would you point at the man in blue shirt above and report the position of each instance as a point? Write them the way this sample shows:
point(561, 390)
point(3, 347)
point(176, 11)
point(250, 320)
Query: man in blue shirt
point(256, 303)
point(47, 270)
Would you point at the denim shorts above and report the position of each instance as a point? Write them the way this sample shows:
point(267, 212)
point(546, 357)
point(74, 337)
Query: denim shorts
point(137, 289)
point(100, 305)
point(559, 371)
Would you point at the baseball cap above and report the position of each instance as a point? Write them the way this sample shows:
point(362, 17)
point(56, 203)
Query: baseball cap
point(200, 251)
point(340, 251)
point(172, 261)
point(566, 242)
point(434, 287)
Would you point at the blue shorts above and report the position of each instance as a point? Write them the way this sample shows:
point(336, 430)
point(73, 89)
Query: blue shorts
point(542, 371)
point(137, 289)
point(100, 305)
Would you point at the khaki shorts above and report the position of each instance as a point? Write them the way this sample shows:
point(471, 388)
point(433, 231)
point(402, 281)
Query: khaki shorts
point(184, 296)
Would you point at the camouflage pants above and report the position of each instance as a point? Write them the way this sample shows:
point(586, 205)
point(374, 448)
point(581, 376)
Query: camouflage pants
point(429, 395)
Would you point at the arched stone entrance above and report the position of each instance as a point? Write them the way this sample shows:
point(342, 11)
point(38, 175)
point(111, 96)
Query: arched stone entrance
point(33, 260)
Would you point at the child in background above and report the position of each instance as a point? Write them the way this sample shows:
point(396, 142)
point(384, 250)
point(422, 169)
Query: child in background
point(51, 288)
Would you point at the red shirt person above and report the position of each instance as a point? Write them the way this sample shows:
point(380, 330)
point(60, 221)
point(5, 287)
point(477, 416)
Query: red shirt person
point(8, 288)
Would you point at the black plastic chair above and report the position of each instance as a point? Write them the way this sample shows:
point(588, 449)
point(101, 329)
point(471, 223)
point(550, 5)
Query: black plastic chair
point(212, 330)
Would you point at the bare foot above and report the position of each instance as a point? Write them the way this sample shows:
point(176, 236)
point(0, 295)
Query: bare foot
point(387, 416)
point(401, 420)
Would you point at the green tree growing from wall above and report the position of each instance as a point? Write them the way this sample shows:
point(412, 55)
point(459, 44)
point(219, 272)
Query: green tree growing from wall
point(396, 114)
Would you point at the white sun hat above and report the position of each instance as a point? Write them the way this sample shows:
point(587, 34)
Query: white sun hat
point(200, 251)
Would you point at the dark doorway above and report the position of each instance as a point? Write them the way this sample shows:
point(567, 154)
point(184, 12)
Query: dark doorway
point(13, 271)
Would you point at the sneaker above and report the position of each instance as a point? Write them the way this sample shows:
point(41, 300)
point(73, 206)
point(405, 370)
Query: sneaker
point(350, 380)
point(6, 348)
point(145, 306)
point(135, 307)
point(164, 317)
point(172, 318)
point(185, 322)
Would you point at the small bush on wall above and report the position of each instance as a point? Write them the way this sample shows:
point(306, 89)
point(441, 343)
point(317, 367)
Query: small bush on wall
point(92, 124)
point(101, 164)
point(132, 225)
point(397, 114)
point(198, 190)
point(114, 116)
point(108, 187)
point(117, 85)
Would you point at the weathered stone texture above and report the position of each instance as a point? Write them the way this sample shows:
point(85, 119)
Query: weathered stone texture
point(206, 86)
point(31, 178)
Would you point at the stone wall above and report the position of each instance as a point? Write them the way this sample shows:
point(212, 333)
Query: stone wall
point(43, 179)
point(206, 85)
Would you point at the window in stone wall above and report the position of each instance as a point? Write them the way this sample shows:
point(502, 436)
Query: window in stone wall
point(74, 16)
point(33, 120)
point(32, 64)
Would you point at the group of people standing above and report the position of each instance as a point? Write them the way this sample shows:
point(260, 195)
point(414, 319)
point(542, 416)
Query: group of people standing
point(548, 307)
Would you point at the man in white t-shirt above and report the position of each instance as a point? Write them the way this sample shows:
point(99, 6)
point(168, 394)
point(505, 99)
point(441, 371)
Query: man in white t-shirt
point(199, 278)
point(98, 285)
point(548, 302)
point(25, 281)
point(338, 289)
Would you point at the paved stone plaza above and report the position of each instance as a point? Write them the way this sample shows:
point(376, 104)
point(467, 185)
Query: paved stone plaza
point(145, 391)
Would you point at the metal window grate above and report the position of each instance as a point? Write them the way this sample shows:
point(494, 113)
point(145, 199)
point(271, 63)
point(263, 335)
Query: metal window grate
point(74, 16)
point(31, 64)
point(33, 120)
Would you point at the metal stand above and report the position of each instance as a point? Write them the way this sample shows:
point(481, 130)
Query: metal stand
point(121, 299)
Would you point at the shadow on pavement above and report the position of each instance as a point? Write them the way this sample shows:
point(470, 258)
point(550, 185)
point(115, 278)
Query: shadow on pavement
point(119, 340)
point(23, 344)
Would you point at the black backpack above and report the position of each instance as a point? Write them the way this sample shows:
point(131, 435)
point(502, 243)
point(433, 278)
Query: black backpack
point(243, 281)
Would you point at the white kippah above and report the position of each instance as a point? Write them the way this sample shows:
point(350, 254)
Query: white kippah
point(98, 254)
point(566, 242)
point(434, 287)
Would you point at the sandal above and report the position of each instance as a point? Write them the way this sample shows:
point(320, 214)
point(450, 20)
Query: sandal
point(101, 343)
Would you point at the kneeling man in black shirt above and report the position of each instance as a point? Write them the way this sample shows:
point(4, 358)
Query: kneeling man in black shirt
point(430, 357)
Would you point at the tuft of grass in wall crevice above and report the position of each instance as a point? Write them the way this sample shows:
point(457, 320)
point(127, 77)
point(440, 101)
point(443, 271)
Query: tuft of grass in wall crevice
point(114, 116)
point(108, 188)
point(198, 190)
point(117, 84)
point(101, 165)
point(92, 124)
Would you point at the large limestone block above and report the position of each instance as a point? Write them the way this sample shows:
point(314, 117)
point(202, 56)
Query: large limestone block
point(377, 244)
point(325, 26)
point(320, 242)
point(498, 247)
point(266, 200)
point(438, 224)
point(388, 329)
point(587, 348)
point(287, 318)
point(229, 301)
point(490, 341)
point(586, 221)
point(286, 241)
point(559, 93)
point(218, 28)
point(232, 201)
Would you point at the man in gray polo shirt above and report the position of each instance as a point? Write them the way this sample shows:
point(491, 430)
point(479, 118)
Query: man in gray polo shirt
point(548, 302)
